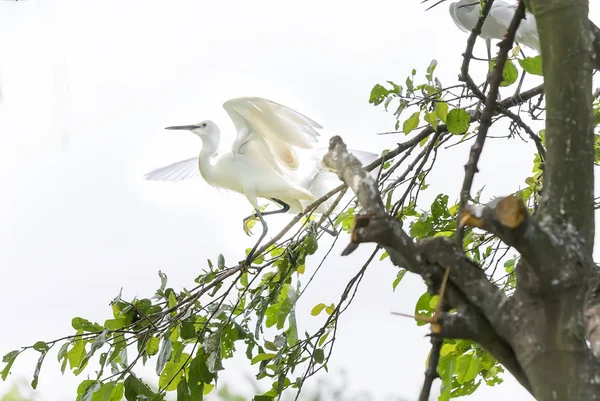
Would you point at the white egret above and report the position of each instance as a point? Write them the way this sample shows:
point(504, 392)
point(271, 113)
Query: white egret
point(466, 13)
point(265, 160)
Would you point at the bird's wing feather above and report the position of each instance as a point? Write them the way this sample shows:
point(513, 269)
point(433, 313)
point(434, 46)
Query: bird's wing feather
point(178, 171)
point(527, 33)
point(455, 18)
point(280, 128)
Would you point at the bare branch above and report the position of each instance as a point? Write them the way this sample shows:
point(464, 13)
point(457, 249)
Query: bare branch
point(431, 371)
point(490, 103)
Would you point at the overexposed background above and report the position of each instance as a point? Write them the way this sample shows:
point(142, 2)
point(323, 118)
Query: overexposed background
point(86, 88)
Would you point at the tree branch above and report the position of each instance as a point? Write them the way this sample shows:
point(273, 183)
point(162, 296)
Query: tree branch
point(490, 106)
point(468, 285)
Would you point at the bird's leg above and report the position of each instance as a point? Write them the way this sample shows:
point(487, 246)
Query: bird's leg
point(284, 208)
point(488, 46)
point(518, 91)
point(333, 232)
point(264, 232)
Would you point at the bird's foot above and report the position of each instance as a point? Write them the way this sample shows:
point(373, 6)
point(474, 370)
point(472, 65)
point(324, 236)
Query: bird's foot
point(248, 224)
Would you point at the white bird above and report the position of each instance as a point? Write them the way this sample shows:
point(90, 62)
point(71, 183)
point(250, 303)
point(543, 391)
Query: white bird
point(265, 160)
point(466, 13)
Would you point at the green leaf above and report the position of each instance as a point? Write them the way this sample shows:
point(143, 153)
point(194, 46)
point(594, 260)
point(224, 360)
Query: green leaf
point(263, 398)
point(322, 339)
point(221, 262)
point(134, 387)
point(431, 118)
point(532, 65)
point(292, 331)
point(208, 388)
point(467, 368)
point(41, 346)
point(115, 324)
point(433, 302)
point(317, 309)
point(80, 323)
point(319, 355)
point(172, 299)
point(262, 357)
point(420, 228)
point(446, 371)
point(270, 346)
point(152, 346)
point(411, 123)
point(83, 386)
point(244, 278)
point(172, 373)
point(198, 375)
point(163, 280)
point(183, 391)
point(378, 94)
point(38, 366)
point(398, 278)
point(116, 393)
point(164, 355)
point(423, 307)
point(441, 110)
point(286, 307)
point(458, 121)
point(431, 69)
point(99, 341)
point(510, 74)
point(111, 391)
point(89, 391)
point(62, 355)
point(76, 355)
point(188, 330)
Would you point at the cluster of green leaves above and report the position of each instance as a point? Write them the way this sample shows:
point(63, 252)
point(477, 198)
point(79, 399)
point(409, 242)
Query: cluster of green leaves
point(463, 366)
point(189, 333)
point(427, 98)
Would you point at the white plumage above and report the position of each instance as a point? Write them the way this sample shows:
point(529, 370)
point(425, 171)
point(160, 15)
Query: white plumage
point(273, 157)
point(465, 14)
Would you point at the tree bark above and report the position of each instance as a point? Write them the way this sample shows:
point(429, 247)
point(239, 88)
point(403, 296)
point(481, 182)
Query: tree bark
point(538, 333)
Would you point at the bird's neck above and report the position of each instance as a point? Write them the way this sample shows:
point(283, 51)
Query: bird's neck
point(210, 147)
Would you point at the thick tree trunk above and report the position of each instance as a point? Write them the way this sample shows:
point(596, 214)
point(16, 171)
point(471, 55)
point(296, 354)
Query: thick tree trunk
point(553, 352)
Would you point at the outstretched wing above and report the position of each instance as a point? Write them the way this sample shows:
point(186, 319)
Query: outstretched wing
point(271, 129)
point(178, 171)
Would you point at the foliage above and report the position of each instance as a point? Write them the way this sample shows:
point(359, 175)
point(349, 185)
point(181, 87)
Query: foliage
point(187, 334)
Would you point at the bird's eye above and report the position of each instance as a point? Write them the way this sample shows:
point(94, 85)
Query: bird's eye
point(203, 125)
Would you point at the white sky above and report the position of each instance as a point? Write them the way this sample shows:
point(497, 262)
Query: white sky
point(104, 78)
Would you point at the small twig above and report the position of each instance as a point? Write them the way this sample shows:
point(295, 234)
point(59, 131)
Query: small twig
point(436, 343)
point(490, 106)
point(431, 372)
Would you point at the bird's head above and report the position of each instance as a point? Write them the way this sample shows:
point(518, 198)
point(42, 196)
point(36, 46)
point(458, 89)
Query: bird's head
point(203, 129)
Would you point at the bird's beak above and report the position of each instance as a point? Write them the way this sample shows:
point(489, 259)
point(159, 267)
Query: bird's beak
point(183, 127)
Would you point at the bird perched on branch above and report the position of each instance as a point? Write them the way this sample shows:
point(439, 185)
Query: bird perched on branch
point(273, 156)
point(465, 14)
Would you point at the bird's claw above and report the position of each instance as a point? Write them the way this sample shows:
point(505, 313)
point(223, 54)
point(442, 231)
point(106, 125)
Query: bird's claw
point(247, 228)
